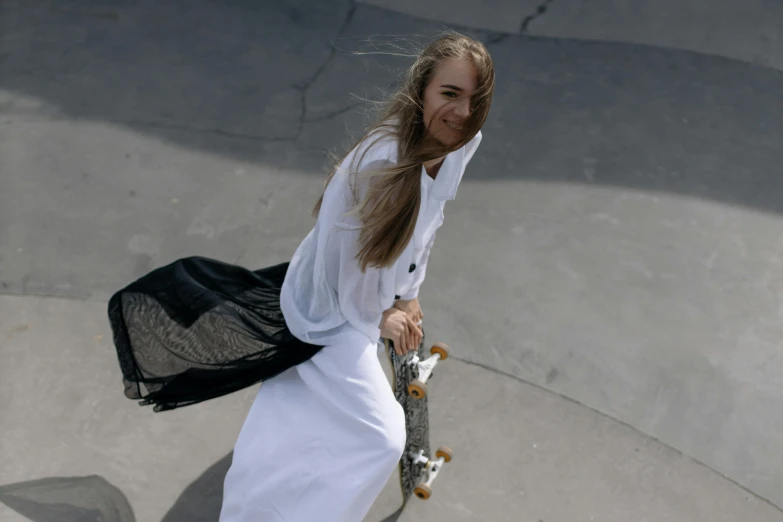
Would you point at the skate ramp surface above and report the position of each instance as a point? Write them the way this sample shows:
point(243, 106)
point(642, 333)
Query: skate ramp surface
point(609, 274)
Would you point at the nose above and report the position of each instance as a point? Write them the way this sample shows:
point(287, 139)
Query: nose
point(462, 108)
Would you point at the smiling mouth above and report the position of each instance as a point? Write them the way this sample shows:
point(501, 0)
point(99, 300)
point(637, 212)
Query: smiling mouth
point(454, 126)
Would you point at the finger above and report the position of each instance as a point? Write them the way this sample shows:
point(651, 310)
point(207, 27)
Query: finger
point(414, 325)
point(414, 330)
point(404, 340)
point(394, 344)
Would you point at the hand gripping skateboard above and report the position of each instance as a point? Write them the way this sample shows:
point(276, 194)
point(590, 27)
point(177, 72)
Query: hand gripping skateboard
point(410, 374)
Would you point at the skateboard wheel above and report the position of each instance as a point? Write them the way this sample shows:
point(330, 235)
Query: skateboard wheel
point(444, 452)
point(417, 389)
point(423, 491)
point(442, 349)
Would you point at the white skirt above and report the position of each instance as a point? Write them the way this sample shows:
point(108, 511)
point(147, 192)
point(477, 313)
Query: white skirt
point(320, 441)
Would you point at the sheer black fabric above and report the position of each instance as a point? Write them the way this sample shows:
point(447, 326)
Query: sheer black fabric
point(198, 329)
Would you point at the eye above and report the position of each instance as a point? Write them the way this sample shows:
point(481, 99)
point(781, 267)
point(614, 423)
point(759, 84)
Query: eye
point(450, 94)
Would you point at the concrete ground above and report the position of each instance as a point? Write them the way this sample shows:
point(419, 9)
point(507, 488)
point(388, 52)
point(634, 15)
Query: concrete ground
point(610, 276)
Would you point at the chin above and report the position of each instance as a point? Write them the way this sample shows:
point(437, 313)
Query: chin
point(448, 137)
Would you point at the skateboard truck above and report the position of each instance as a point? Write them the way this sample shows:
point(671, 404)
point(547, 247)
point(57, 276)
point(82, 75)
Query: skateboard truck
point(417, 468)
point(423, 490)
point(418, 388)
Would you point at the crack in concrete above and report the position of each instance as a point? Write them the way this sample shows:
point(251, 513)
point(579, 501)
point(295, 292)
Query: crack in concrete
point(333, 114)
point(306, 87)
point(152, 124)
point(540, 11)
point(622, 423)
point(104, 300)
point(215, 131)
point(496, 38)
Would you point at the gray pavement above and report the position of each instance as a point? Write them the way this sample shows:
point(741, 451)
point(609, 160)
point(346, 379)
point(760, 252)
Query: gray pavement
point(750, 31)
point(608, 277)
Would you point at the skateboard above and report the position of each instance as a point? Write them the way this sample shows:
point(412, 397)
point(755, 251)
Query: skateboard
point(409, 377)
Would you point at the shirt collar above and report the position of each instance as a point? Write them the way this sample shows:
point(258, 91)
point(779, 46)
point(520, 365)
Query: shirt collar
point(446, 183)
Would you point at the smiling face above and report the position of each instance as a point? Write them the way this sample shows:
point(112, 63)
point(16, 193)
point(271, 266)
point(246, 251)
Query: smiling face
point(447, 100)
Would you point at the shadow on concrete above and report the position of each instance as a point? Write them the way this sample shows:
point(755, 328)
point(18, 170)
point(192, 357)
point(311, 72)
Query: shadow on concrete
point(261, 81)
point(93, 499)
point(202, 499)
point(68, 499)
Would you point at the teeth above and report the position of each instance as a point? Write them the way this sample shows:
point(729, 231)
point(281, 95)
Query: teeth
point(453, 126)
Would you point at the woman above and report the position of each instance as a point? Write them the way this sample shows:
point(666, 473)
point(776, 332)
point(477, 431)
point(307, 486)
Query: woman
point(324, 432)
point(322, 439)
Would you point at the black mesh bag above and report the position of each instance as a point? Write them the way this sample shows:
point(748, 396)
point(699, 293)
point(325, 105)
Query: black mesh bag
point(198, 329)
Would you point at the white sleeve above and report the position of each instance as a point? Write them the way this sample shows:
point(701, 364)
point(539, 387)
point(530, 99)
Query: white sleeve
point(358, 293)
point(420, 272)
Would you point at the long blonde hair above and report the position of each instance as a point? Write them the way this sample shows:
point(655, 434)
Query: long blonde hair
point(390, 206)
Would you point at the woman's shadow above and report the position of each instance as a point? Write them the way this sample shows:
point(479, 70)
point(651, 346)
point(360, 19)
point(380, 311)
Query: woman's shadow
point(94, 499)
point(201, 500)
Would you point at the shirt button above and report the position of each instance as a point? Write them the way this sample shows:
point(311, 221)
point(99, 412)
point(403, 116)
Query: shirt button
point(396, 297)
point(412, 268)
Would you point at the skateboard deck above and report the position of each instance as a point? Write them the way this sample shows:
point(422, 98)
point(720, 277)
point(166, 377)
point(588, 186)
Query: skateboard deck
point(417, 418)
point(409, 374)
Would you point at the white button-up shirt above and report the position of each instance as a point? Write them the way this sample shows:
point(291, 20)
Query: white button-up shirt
point(325, 294)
